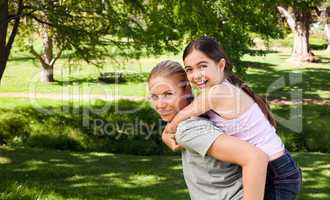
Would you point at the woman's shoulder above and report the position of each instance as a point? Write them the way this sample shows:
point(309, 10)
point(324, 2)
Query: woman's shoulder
point(194, 124)
point(194, 121)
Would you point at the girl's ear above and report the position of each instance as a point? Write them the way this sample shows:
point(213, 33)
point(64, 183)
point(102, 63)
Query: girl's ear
point(222, 64)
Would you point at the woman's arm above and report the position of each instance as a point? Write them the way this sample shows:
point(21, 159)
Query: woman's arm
point(252, 160)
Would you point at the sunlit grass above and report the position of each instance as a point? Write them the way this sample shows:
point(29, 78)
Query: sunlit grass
point(22, 75)
point(31, 173)
point(45, 174)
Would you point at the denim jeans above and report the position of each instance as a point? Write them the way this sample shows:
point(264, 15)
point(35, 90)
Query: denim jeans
point(284, 179)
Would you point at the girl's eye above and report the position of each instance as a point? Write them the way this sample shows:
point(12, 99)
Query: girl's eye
point(203, 66)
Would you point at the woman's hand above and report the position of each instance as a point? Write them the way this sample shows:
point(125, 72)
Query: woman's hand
point(169, 140)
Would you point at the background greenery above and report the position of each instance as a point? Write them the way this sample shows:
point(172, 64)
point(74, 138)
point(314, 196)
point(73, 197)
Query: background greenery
point(61, 153)
point(133, 133)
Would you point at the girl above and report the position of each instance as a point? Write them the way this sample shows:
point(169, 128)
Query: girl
point(233, 106)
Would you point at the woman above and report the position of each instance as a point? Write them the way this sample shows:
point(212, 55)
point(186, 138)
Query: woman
point(205, 146)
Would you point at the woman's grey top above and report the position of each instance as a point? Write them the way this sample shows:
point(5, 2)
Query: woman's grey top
point(206, 177)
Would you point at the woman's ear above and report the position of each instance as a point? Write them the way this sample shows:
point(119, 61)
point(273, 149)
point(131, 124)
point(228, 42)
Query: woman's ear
point(222, 64)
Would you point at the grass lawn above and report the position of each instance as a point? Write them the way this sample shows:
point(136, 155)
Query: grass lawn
point(14, 102)
point(45, 174)
point(273, 70)
point(22, 75)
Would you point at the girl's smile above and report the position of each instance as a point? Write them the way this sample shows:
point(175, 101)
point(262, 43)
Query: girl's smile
point(203, 72)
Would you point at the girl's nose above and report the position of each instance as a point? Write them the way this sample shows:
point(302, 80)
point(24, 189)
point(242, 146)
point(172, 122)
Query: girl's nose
point(198, 76)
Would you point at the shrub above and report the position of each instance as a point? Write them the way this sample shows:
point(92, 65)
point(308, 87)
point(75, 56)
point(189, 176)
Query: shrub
point(102, 129)
point(315, 134)
point(120, 77)
point(14, 128)
point(111, 127)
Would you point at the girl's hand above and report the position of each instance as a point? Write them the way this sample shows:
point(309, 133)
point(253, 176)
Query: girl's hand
point(171, 127)
point(169, 140)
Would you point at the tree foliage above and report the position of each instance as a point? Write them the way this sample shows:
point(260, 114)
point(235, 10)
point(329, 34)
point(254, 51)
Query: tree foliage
point(132, 28)
point(87, 28)
point(230, 22)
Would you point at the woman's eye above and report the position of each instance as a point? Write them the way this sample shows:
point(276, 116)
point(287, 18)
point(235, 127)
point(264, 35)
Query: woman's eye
point(203, 66)
point(154, 97)
point(188, 70)
point(167, 94)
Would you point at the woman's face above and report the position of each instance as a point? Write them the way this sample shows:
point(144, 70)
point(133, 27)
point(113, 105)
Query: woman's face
point(167, 96)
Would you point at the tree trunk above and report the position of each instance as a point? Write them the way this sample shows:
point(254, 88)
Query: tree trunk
point(5, 46)
point(47, 57)
point(46, 74)
point(3, 35)
point(301, 49)
point(327, 26)
point(299, 25)
point(327, 33)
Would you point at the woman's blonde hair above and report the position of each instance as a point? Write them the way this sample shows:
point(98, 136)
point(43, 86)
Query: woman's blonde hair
point(174, 70)
point(169, 68)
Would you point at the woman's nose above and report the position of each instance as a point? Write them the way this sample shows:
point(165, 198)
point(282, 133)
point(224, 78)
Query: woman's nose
point(160, 104)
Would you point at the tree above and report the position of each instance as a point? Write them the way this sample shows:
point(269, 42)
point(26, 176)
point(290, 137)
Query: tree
point(137, 27)
point(230, 22)
point(5, 46)
point(50, 15)
point(299, 17)
point(327, 27)
point(47, 58)
point(324, 13)
point(86, 29)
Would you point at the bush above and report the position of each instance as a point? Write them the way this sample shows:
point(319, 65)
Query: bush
point(96, 128)
point(120, 77)
point(112, 127)
point(14, 128)
point(315, 135)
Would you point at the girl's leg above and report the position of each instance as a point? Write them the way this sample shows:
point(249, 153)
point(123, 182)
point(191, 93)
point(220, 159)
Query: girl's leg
point(287, 179)
point(269, 189)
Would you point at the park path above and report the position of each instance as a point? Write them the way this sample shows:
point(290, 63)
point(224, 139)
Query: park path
point(66, 97)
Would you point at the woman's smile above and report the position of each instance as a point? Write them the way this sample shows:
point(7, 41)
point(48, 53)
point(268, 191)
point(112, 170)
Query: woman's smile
point(167, 96)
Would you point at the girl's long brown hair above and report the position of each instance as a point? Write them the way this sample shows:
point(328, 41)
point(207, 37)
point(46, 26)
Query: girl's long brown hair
point(212, 49)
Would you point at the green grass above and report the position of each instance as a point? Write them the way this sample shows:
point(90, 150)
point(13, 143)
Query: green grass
point(22, 75)
point(317, 41)
point(43, 174)
point(18, 102)
point(264, 71)
point(14, 102)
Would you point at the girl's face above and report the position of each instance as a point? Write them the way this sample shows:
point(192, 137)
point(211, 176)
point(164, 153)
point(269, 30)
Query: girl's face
point(167, 97)
point(202, 71)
